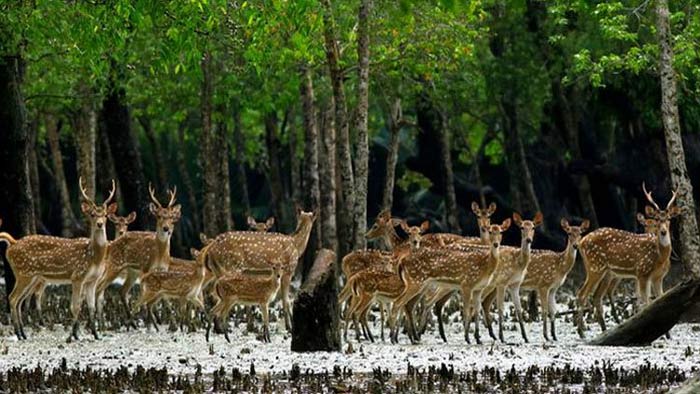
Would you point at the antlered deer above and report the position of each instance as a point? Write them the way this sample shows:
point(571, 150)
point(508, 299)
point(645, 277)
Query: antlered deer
point(240, 250)
point(141, 251)
point(627, 255)
point(548, 271)
point(55, 260)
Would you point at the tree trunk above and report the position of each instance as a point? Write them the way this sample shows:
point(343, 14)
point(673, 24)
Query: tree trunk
point(316, 319)
point(274, 172)
point(394, 122)
point(104, 163)
point(156, 152)
point(125, 153)
point(362, 143)
point(240, 161)
point(186, 179)
point(451, 212)
point(689, 237)
point(208, 154)
point(295, 167)
point(312, 188)
point(327, 156)
point(16, 206)
point(224, 179)
point(85, 134)
point(33, 163)
point(69, 223)
point(347, 184)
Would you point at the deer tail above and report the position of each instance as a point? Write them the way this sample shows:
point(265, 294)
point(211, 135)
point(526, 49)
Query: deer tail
point(7, 238)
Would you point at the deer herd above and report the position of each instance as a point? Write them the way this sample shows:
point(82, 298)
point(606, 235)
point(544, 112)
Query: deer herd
point(416, 274)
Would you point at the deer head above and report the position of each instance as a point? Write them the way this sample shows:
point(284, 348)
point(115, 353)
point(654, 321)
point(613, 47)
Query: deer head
point(527, 227)
point(97, 214)
point(383, 221)
point(167, 216)
point(651, 226)
point(574, 233)
point(121, 223)
point(663, 216)
point(204, 239)
point(483, 218)
point(262, 226)
point(415, 233)
point(496, 233)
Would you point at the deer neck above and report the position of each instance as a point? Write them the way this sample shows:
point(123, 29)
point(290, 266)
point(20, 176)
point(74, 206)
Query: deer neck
point(162, 257)
point(392, 239)
point(569, 255)
point(495, 255)
point(301, 235)
point(99, 244)
point(525, 252)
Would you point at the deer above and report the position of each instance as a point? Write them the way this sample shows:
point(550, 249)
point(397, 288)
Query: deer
point(510, 275)
point(262, 226)
point(238, 250)
point(54, 260)
point(378, 283)
point(183, 281)
point(644, 257)
point(247, 287)
point(548, 270)
point(138, 252)
point(439, 297)
point(469, 269)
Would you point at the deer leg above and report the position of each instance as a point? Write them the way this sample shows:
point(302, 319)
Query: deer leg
point(592, 281)
point(408, 293)
point(382, 316)
point(22, 286)
point(486, 306)
point(266, 322)
point(515, 296)
point(598, 295)
point(39, 290)
point(466, 311)
point(76, 300)
point(500, 301)
point(409, 308)
point(612, 289)
point(125, 290)
point(90, 289)
point(544, 301)
point(645, 287)
point(552, 311)
point(476, 301)
point(284, 288)
point(438, 313)
point(364, 310)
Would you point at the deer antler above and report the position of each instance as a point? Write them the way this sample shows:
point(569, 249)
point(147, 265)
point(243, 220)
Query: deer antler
point(172, 196)
point(649, 198)
point(111, 194)
point(673, 199)
point(83, 192)
point(153, 196)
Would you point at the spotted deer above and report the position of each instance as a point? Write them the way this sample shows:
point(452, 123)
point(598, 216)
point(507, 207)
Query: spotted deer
point(438, 297)
point(246, 288)
point(262, 226)
point(510, 275)
point(469, 269)
point(54, 260)
point(377, 283)
point(239, 250)
point(138, 252)
point(548, 270)
point(183, 281)
point(644, 257)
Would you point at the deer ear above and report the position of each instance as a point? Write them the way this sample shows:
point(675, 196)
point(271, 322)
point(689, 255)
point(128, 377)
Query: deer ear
point(194, 252)
point(674, 211)
point(270, 222)
point(112, 208)
point(585, 224)
point(85, 207)
point(204, 239)
point(153, 208)
point(424, 226)
point(298, 209)
point(641, 219)
point(565, 224)
point(517, 219)
point(131, 217)
point(251, 222)
point(505, 225)
point(404, 226)
point(384, 215)
point(539, 218)
point(475, 207)
point(492, 208)
point(650, 211)
point(396, 222)
point(177, 211)
point(112, 218)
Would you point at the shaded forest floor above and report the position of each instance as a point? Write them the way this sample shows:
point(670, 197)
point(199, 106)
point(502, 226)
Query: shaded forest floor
point(185, 361)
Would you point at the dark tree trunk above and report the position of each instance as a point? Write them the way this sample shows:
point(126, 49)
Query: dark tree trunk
point(316, 320)
point(274, 171)
point(655, 320)
point(186, 179)
point(223, 188)
point(69, 223)
point(295, 167)
point(312, 187)
point(240, 161)
point(16, 206)
point(327, 156)
point(688, 225)
point(33, 163)
point(362, 143)
point(208, 154)
point(394, 123)
point(156, 152)
point(105, 164)
point(125, 153)
point(344, 159)
point(85, 134)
